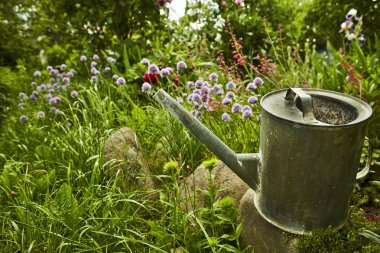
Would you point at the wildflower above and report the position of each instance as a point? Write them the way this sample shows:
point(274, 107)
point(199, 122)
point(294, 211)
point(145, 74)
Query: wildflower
point(252, 100)
point(59, 76)
point(48, 96)
point(230, 85)
point(53, 110)
point(361, 39)
point(95, 57)
point(22, 95)
point(74, 94)
point(94, 79)
point(23, 118)
point(181, 65)
point(247, 113)
point(53, 100)
point(258, 81)
point(196, 97)
point(197, 91)
point(63, 66)
point(49, 68)
point(198, 83)
point(230, 95)
point(226, 101)
point(93, 64)
point(190, 85)
point(40, 115)
point(190, 98)
point(213, 77)
point(246, 108)
point(32, 97)
point(239, 2)
point(107, 69)
point(21, 104)
point(217, 87)
point(251, 86)
point(83, 58)
point(345, 26)
point(151, 78)
point(66, 80)
point(70, 73)
point(351, 13)
point(236, 108)
point(145, 61)
point(204, 98)
point(220, 92)
point(115, 77)
point(111, 59)
point(207, 84)
point(153, 69)
point(226, 117)
point(33, 84)
point(94, 71)
point(205, 90)
point(146, 87)
point(41, 87)
point(120, 81)
point(52, 80)
point(164, 72)
point(35, 93)
point(37, 74)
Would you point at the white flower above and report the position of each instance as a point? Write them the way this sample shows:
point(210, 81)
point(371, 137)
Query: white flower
point(351, 13)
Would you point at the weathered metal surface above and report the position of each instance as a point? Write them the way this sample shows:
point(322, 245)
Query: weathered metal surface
point(310, 146)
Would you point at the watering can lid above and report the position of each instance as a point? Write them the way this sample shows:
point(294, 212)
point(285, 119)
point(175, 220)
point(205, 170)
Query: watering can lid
point(316, 107)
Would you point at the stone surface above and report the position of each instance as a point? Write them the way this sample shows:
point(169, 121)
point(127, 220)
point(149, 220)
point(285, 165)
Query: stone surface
point(259, 233)
point(124, 158)
point(226, 181)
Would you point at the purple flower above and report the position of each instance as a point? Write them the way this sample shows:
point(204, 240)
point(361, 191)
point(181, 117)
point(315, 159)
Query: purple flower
point(66, 80)
point(251, 86)
point(63, 66)
point(226, 117)
point(217, 87)
point(164, 72)
point(59, 76)
point(115, 77)
point(220, 93)
point(37, 74)
point(153, 69)
point(49, 68)
point(258, 81)
point(190, 85)
point(83, 58)
point(351, 13)
point(74, 94)
point(111, 59)
point(197, 91)
point(146, 87)
point(93, 64)
point(247, 113)
point(230, 95)
point(196, 97)
point(95, 57)
point(55, 86)
point(252, 100)
point(245, 108)
point(32, 97)
point(23, 118)
point(48, 96)
point(230, 85)
point(22, 95)
point(94, 71)
point(53, 110)
point(107, 69)
point(213, 77)
point(70, 73)
point(207, 84)
point(199, 83)
point(35, 93)
point(190, 98)
point(226, 101)
point(236, 108)
point(40, 115)
point(205, 90)
point(33, 84)
point(52, 80)
point(145, 61)
point(205, 98)
point(120, 81)
point(52, 72)
point(94, 79)
point(181, 65)
point(53, 100)
point(42, 87)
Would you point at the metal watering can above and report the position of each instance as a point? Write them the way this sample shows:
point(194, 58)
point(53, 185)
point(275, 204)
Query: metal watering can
point(310, 147)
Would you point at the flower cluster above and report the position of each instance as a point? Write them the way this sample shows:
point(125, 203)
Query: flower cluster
point(352, 27)
point(47, 94)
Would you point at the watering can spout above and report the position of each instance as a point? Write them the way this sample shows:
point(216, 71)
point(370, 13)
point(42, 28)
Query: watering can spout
point(243, 165)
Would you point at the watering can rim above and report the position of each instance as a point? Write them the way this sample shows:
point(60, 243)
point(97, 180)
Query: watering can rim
point(363, 109)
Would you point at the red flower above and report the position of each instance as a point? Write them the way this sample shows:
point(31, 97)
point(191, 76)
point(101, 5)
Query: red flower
point(151, 78)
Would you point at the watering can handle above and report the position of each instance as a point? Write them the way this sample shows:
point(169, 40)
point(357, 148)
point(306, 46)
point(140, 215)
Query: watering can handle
point(363, 173)
point(306, 102)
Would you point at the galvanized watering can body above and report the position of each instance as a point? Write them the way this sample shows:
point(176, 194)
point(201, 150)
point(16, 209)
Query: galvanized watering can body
point(310, 146)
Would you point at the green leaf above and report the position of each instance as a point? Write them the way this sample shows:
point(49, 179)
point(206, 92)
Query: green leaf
point(373, 237)
point(44, 152)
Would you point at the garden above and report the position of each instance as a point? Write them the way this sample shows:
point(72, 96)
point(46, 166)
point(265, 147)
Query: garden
point(93, 160)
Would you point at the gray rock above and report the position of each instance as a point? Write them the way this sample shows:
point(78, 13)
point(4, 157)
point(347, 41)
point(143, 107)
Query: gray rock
point(259, 233)
point(226, 181)
point(124, 159)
